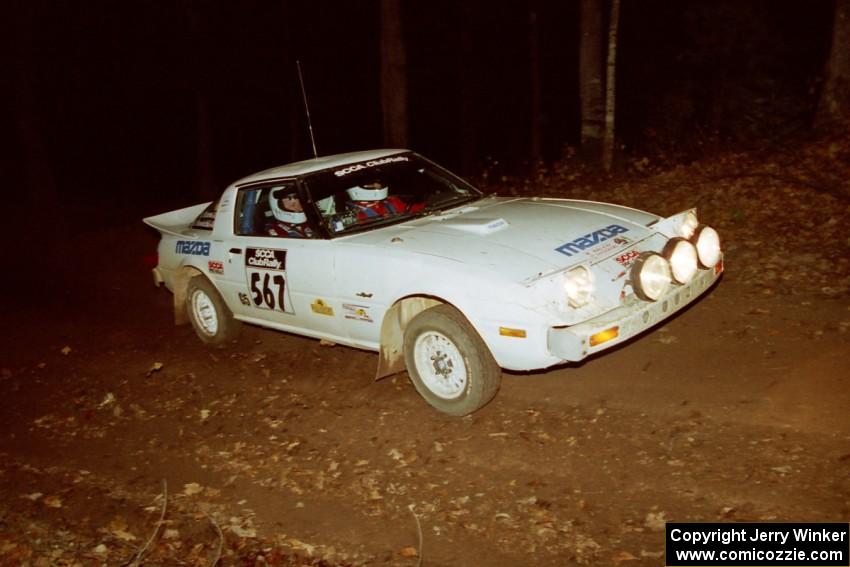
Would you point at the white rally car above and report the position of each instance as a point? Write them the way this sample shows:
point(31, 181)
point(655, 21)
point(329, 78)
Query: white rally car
point(386, 251)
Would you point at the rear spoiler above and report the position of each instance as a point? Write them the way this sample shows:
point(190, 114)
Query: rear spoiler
point(177, 222)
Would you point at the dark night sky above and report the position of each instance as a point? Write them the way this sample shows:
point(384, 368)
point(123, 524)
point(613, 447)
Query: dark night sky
point(114, 84)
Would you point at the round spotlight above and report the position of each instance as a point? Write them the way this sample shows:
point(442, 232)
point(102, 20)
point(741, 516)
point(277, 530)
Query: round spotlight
point(707, 242)
point(682, 256)
point(689, 224)
point(650, 276)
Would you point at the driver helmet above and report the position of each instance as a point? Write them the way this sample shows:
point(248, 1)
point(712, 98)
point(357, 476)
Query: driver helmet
point(372, 191)
point(286, 207)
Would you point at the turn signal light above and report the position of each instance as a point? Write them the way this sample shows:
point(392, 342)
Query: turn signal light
point(508, 332)
point(604, 336)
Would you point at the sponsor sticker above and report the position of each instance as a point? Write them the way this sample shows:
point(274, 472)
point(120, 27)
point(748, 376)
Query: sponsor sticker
point(356, 312)
point(243, 299)
point(319, 307)
point(215, 267)
point(268, 258)
point(192, 247)
point(265, 270)
point(361, 166)
point(626, 259)
point(590, 240)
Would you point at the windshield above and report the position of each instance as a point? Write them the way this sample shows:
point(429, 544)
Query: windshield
point(384, 191)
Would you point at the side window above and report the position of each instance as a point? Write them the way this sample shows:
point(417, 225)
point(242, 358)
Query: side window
point(206, 219)
point(272, 211)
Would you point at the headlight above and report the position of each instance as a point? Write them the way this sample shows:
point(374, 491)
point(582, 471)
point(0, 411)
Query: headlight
point(707, 242)
point(650, 276)
point(682, 256)
point(579, 286)
point(689, 225)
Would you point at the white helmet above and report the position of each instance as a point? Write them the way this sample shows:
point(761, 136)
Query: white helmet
point(375, 191)
point(276, 196)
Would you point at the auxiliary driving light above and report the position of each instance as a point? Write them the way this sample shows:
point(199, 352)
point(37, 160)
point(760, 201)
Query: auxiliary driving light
point(650, 276)
point(689, 224)
point(707, 242)
point(682, 256)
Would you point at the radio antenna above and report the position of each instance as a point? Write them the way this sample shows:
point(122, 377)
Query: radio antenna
point(306, 108)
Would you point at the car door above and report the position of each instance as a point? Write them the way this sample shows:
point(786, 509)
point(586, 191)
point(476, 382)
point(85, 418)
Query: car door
point(281, 281)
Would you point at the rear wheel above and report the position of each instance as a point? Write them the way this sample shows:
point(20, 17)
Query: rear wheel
point(211, 318)
point(448, 362)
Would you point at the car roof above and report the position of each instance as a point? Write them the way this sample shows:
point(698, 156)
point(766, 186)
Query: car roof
point(316, 164)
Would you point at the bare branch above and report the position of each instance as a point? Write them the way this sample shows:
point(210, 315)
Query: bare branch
point(137, 558)
point(419, 532)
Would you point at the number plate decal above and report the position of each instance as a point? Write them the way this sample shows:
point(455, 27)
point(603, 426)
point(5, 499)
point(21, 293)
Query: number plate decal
point(265, 269)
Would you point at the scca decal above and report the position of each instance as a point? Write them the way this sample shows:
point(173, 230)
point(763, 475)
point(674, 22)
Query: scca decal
point(373, 163)
point(193, 247)
point(626, 259)
point(590, 240)
point(268, 258)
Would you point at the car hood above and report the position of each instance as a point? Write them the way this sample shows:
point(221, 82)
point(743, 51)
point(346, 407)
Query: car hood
point(521, 239)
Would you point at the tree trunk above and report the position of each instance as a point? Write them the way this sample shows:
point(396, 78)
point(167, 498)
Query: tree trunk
point(204, 135)
point(590, 78)
point(393, 75)
point(834, 103)
point(610, 90)
point(468, 82)
point(536, 106)
point(37, 168)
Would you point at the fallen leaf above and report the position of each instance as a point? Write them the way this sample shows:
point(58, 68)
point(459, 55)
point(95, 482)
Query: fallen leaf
point(408, 552)
point(192, 488)
point(621, 556)
point(298, 544)
point(759, 311)
point(123, 535)
point(655, 521)
point(53, 502)
point(155, 367)
point(66, 350)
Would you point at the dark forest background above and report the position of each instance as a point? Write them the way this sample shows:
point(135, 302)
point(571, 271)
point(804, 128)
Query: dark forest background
point(113, 102)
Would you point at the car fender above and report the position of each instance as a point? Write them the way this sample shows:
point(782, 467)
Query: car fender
point(475, 298)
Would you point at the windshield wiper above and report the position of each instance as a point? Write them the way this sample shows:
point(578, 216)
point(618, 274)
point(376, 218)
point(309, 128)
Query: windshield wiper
point(453, 201)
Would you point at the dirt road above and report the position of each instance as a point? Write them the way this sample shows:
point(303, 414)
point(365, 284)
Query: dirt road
point(280, 451)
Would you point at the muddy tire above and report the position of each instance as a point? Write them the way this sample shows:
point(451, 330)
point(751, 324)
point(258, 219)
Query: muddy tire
point(448, 362)
point(212, 319)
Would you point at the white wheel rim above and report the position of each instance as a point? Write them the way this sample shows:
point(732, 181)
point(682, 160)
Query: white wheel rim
point(440, 365)
point(204, 312)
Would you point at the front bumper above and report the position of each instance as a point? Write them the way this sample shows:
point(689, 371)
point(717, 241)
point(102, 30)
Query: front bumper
point(573, 343)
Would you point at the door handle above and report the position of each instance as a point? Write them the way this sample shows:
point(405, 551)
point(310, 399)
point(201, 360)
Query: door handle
point(235, 250)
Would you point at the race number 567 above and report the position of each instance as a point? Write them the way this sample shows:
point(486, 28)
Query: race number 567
point(268, 290)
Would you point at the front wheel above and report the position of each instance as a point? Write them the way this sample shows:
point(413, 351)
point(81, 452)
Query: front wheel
point(210, 316)
point(448, 362)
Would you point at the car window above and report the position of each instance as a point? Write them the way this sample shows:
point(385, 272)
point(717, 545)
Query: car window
point(206, 219)
point(275, 210)
point(383, 191)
